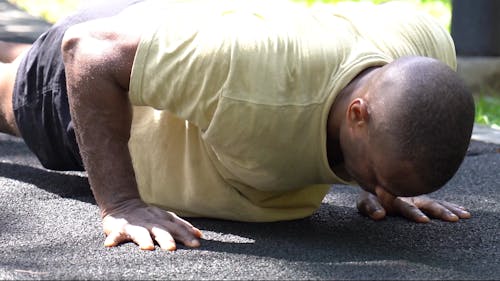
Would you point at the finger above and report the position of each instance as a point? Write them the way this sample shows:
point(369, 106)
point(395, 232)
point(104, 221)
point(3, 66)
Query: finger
point(369, 205)
point(183, 234)
point(114, 239)
point(410, 211)
point(458, 210)
point(441, 209)
point(185, 226)
point(164, 239)
point(140, 236)
point(438, 211)
point(195, 231)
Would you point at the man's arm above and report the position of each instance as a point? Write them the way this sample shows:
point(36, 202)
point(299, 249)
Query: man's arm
point(98, 57)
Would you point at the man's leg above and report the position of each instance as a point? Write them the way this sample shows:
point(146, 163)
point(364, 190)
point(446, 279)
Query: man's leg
point(8, 73)
point(10, 56)
point(9, 51)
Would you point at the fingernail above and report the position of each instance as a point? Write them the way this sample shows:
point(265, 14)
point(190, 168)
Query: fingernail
point(147, 247)
point(424, 218)
point(109, 243)
point(377, 214)
point(465, 215)
point(171, 247)
point(199, 234)
point(194, 243)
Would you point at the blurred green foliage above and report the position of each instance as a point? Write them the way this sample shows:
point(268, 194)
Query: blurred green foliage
point(50, 10)
point(488, 110)
point(439, 9)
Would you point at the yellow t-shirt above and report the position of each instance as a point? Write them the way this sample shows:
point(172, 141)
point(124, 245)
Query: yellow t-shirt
point(231, 102)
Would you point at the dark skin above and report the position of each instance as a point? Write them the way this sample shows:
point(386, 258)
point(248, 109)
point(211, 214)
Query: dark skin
point(380, 172)
point(10, 57)
point(98, 56)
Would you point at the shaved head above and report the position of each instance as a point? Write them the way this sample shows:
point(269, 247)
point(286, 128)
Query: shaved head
point(422, 109)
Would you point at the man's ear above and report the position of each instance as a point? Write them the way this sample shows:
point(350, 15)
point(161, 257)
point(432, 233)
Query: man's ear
point(357, 112)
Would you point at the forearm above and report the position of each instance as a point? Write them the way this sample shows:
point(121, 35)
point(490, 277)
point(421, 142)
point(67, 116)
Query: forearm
point(102, 116)
point(103, 139)
point(98, 58)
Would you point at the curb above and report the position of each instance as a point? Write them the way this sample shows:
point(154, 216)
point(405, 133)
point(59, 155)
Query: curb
point(18, 26)
point(486, 134)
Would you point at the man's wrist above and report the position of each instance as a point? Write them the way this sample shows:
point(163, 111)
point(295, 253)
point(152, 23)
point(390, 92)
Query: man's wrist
point(118, 206)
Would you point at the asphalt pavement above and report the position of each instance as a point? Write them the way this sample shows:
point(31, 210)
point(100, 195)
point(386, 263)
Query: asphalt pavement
point(50, 228)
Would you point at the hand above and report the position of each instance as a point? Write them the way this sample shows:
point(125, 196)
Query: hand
point(414, 208)
point(136, 221)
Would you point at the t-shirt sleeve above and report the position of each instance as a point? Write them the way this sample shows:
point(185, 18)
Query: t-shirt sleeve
point(181, 66)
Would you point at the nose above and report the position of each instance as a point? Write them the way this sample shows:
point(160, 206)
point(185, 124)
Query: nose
point(367, 189)
point(383, 195)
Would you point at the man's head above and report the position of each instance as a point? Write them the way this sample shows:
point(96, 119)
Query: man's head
point(408, 128)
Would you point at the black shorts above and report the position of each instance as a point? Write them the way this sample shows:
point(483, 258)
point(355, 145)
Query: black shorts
point(40, 97)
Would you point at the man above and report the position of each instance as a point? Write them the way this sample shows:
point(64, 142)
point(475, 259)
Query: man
point(243, 111)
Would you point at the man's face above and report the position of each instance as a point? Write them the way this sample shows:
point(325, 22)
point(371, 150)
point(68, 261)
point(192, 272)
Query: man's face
point(377, 167)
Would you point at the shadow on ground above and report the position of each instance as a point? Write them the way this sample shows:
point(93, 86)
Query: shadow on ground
point(50, 229)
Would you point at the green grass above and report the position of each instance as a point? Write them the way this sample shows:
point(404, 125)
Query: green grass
point(488, 111)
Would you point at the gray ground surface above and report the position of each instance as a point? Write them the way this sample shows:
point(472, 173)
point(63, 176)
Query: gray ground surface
point(50, 228)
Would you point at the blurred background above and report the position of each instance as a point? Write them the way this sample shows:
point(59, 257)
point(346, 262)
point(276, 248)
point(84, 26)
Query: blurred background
point(474, 26)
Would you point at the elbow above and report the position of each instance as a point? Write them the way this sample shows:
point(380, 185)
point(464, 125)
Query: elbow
point(70, 47)
point(78, 65)
point(83, 59)
point(83, 54)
